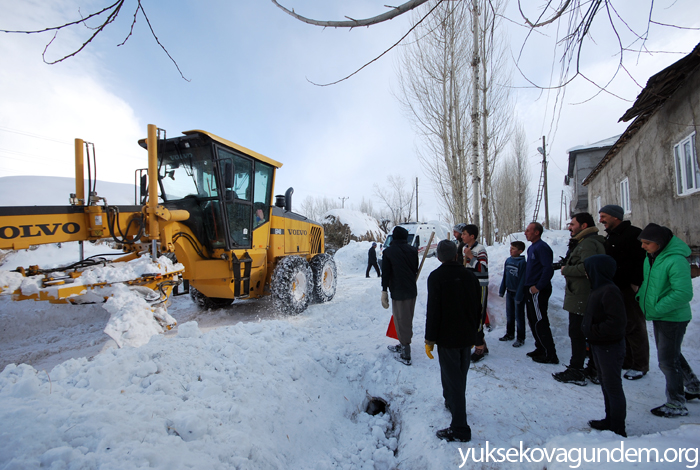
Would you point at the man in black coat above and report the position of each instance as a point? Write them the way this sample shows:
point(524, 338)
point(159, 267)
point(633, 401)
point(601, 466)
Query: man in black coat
point(622, 244)
point(452, 320)
point(399, 275)
point(372, 260)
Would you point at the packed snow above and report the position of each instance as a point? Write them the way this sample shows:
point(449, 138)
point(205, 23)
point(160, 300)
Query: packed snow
point(247, 388)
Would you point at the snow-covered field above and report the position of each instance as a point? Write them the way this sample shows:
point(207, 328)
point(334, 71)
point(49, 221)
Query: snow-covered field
point(246, 388)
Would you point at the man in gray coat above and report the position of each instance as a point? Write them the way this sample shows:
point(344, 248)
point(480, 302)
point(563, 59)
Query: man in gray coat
point(584, 242)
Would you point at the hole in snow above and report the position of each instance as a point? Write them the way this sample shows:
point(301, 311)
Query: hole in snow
point(376, 405)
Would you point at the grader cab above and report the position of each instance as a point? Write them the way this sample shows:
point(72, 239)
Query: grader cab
point(207, 202)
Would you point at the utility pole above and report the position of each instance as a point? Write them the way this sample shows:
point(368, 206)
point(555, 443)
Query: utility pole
point(543, 151)
point(343, 200)
point(561, 205)
point(417, 200)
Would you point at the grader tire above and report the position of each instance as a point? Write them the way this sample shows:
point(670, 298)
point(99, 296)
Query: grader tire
point(325, 277)
point(208, 303)
point(292, 285)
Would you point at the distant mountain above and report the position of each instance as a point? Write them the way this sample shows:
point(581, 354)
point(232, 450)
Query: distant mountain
point(55, 191)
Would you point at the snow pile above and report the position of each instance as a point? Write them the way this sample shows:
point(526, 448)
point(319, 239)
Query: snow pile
point(361, 225)
point(55, 191)
point(133, 320)
point(290, 392)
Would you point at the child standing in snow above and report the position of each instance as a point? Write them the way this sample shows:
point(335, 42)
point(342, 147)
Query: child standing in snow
point(603, 325)
point(513, 287)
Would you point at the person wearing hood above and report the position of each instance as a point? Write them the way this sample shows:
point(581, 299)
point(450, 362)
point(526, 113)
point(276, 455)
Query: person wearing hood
point(584, 242)
point(399, 276)
point(603, 326)
point(664, 297)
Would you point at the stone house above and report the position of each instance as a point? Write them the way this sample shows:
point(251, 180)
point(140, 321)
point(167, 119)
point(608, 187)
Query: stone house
point(652, 170)
point(582, 160)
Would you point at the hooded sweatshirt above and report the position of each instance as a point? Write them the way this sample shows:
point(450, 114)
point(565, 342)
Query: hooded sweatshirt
point(604, 320)
point(667, 289)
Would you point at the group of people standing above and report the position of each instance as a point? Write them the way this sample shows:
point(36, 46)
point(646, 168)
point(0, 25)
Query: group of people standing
point(614, 284)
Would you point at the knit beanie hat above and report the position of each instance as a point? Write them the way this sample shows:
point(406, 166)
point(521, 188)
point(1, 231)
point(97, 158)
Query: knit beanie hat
point(656, 233)
point(400, 233)
point(614, 210)
point(446, 251)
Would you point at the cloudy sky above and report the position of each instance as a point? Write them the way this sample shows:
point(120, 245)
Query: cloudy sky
point(249, 67)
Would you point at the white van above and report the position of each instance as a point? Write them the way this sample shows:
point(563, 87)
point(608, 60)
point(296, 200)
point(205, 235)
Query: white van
point(419, 234)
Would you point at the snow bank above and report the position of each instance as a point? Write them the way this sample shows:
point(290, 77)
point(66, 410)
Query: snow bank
point(361, 225)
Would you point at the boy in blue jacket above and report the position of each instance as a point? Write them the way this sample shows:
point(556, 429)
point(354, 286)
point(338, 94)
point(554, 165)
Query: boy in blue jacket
point(513, 287)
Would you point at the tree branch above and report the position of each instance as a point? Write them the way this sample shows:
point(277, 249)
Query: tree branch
point(383, 53)
point(352, 23)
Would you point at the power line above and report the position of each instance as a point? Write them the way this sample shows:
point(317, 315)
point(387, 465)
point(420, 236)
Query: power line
point(36, 136)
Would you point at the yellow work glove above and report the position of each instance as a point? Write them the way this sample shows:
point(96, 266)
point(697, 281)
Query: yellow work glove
point(385, 299)
point(429, 350)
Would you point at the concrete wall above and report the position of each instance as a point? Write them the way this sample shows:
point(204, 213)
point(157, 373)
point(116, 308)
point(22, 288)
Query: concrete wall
point(585, 162)
point(647, 161)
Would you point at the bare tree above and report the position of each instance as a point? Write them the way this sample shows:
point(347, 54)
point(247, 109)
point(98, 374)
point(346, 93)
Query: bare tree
point(439, 90)
point(511, 191)
point(397, 199)
point(496, 105)
point(315, 208)
point(476, 134)
point(434, 77)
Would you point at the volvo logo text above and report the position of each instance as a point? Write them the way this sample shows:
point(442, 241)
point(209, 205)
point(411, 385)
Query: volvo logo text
point(297, 232)
point(26, 231)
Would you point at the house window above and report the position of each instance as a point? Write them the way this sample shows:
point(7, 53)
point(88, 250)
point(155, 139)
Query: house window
point(625, 195)
point(687, 169)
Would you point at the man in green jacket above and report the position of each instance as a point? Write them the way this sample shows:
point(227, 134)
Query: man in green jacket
point(665, 297)
point(584, 242)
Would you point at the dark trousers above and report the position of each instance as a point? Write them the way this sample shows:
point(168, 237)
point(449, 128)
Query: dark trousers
point(669, 337)
point(537, 305)
point(376, 268)
point(454, 365)
point(578, 341)
point(690, 380)
point(515, 316)
point(480, 340)
point(636, 338)
point(608, 359)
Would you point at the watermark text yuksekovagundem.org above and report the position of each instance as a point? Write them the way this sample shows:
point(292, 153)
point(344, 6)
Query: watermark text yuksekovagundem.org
point(575, 456)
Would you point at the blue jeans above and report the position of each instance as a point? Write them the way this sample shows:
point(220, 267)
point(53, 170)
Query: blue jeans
point(669, 337)
point(515, 315)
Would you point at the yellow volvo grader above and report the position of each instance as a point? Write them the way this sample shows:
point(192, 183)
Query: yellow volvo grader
point(204, 200)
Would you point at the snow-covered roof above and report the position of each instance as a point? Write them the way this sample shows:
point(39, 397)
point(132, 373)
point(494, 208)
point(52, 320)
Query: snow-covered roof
point(609, 142)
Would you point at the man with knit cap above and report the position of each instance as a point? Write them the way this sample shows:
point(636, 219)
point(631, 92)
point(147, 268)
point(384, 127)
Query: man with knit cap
point(452, 319)
point(399, 276)
point(622, 244)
